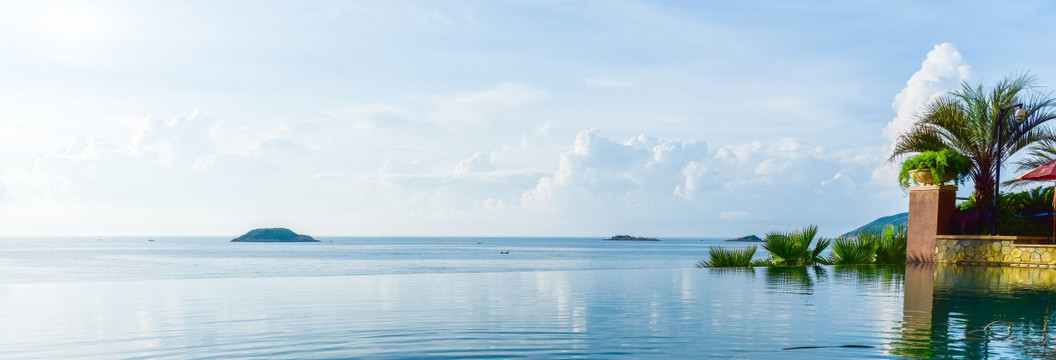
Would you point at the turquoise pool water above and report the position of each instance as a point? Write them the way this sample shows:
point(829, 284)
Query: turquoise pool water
point(606, 309)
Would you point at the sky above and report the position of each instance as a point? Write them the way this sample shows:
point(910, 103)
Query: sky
point(479, 118)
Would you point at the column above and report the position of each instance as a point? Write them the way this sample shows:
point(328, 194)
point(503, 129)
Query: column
point(930, 209)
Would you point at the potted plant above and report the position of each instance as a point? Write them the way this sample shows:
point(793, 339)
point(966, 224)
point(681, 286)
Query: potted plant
point(935, 167)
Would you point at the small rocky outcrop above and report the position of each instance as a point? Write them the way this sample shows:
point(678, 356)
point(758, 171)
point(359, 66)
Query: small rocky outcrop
point(631, 238)
point(273, 235)
point(749, 238)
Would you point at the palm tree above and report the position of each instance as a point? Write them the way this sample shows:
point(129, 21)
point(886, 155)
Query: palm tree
point(966, 121)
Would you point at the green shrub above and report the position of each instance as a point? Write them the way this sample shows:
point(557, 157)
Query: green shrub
point(891, 245)
point(854, 251)
point(723, 257)
point(941, 164)
point(793, 248)
point(1018, 212)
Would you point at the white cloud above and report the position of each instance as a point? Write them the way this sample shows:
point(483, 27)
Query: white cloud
point(600, 172)
point(693, 179)
point(476, 163)
point(187, 137)
point(943, 69)
point(840, 184)
point(605, 182)
point(733, 215)
point(738, 153)
point(771, 167)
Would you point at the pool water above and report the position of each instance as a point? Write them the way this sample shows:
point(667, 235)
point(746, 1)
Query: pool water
point(639, 311)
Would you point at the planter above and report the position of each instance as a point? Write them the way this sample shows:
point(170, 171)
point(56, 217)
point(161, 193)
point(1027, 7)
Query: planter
point(924, 177)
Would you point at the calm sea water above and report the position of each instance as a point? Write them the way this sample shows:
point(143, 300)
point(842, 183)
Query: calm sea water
point(78, 259)
point(455, 298)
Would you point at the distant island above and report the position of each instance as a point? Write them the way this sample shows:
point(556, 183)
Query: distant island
point(631, 238)
point(749, 238)
point(273, 235)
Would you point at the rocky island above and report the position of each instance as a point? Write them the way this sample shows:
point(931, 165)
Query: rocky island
point(631, 238)
point(749, 238)
point(273, 235)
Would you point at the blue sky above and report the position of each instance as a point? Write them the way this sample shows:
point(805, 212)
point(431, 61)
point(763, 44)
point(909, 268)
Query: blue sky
point(511, 118)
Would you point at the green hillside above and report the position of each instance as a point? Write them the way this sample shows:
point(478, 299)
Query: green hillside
point(878, 225)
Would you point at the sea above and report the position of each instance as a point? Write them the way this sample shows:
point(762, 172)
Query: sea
point(494, 298)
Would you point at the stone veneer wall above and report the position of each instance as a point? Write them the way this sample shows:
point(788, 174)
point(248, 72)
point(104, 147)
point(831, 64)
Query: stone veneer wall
point(997, 279)
point(994, 250)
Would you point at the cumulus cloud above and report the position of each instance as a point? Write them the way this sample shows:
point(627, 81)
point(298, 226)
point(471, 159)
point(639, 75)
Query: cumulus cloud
point(608, 182)
point(605, 174)
point(476, 163)
point(182, 136)
point(693, 175)
point(943, 69)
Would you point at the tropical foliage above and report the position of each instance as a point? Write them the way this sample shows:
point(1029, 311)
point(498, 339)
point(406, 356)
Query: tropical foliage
point(1020, 213)
point(891, 248)
point(723, 257)
point(941, 163)
point(870, 247)
point(854, 251)
point(965, 121)
point(793, 248)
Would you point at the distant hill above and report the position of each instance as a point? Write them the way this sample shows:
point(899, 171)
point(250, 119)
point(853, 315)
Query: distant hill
point(878, 225)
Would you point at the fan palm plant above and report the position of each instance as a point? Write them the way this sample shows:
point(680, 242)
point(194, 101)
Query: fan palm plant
point(891, 245)
point(854, 251)
point(966, 121)
point(793, 248)
point(723, 257)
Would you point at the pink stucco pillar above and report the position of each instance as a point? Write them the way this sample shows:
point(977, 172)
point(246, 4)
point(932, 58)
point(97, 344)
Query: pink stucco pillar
point(930, 209)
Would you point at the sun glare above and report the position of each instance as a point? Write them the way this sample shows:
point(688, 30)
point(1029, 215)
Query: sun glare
point(72, 23)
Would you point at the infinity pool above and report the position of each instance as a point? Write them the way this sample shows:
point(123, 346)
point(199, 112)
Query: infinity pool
point(816, 312)
point(495, 298)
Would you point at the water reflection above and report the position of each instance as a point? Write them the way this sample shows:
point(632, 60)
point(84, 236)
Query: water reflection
point(794, 313)
point(794, 279)
point(946, 307)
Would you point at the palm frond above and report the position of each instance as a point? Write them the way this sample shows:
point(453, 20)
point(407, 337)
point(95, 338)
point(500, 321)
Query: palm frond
point(891, 245)
point(854, 251)
point(724, 257)
point(965, 120)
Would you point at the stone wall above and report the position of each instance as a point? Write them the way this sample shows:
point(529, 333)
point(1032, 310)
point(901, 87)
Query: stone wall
point(996, 279)
point(994, 250)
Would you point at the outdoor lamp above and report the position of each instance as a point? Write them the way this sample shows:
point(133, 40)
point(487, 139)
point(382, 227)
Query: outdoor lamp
point(1018, 115)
